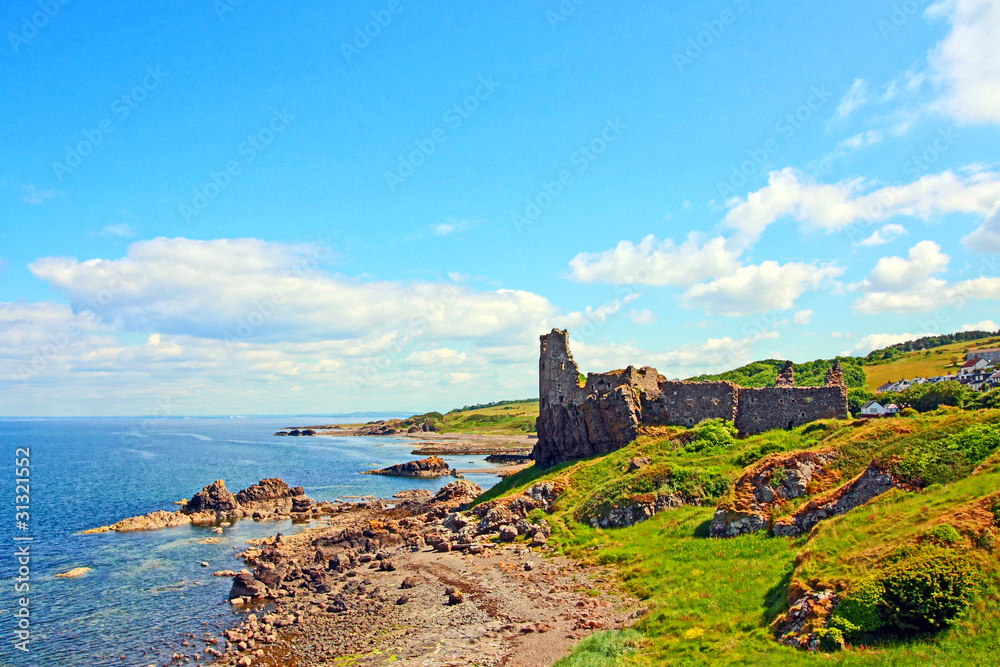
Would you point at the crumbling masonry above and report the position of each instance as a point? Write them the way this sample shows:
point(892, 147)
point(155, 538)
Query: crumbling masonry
point(608, 411)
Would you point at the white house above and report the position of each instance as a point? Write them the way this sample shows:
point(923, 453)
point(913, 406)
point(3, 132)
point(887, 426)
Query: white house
point(973, 366)
point(872, 409)
point(892, 409)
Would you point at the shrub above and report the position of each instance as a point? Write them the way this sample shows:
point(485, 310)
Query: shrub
point(920, 589)
point(976, 442)
point(908, 412)
point(831, 640)
point(984, 401)
point(944, 535)
point(927, 397)
point(712, 435)
point(862, 610)
point(924, 593)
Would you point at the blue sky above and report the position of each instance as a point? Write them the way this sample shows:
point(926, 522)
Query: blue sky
point(237, 208)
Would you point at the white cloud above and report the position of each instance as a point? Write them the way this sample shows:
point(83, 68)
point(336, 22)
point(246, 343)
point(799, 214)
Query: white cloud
point(653, 262)
point(855, 97)
point(878, 341)
point(446, 228)
point(121, 229)
point(862, 140)
point(985, 325)
point(644, 316)
point(758, 288)
point(986, 237)
point(591, 315)
point(38, 196)
point(830, 207)
point(965, 63)
point(883, 235)
point(437, 357)
point(803, 317)
point(910, 285)
point(904, 285)
point(247, 288)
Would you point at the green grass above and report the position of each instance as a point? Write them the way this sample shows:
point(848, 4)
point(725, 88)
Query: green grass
point(508, 418)
point(711, 602)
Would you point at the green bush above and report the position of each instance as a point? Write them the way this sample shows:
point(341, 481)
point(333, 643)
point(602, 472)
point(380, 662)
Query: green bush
point(927, 397)
point(752, 456)
point(985, 401)
point(976, 442)
point(944, 535)
point(831, 640)
point(927, 591)
point(920, 589)
point(712, 435)
point(862, 610)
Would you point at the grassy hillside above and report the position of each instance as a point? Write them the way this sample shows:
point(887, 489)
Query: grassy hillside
point(501, 418)
point(945, 360)
point(712, 601)
point(930, 356)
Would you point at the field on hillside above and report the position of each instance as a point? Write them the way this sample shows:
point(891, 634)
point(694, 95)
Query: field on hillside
point(515, 418)
point(937, 361)
point(712, 601)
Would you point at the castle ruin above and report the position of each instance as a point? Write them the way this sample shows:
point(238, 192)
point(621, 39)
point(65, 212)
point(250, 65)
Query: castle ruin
point(607, 412)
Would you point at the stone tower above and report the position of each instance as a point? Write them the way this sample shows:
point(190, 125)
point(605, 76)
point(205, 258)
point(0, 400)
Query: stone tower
point(786, 377)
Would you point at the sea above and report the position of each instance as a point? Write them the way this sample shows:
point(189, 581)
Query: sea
point(146, 592)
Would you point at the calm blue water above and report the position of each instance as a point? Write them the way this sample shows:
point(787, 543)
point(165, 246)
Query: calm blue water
point(146, 590)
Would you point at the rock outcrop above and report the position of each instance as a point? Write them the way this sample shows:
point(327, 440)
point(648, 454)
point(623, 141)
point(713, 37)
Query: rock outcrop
point(432, 466)
point(213, 498)
point(776, 479)
point(268, 499)
point(639, 509)
point(873, 482)
point(606, 411)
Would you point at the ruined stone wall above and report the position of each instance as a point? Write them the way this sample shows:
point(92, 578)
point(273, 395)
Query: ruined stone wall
point(687, 403)
point(765, 408)
point(606, 413)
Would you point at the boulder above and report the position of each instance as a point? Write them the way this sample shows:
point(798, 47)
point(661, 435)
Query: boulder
point(246, 586)
point(460, 491)
point(638, 462)
point(268, 494)
point(213, 498)
point(432, 466)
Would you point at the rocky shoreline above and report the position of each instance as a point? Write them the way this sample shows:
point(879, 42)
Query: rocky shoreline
point(424, 580)
point(429, 442)
point(268, 500)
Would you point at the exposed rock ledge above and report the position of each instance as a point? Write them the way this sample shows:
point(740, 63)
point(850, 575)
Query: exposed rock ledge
point(759, 493)
point(267, 500)
point(432, 466)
